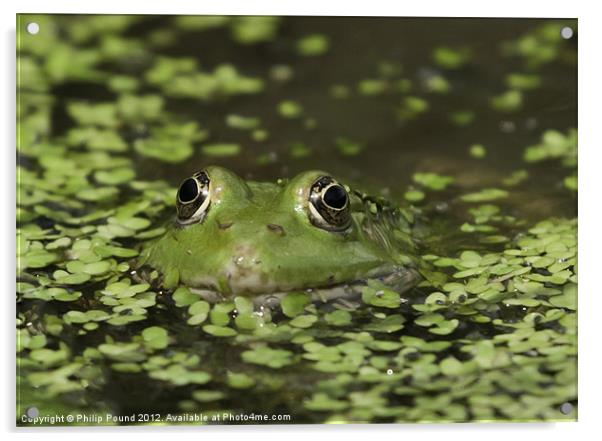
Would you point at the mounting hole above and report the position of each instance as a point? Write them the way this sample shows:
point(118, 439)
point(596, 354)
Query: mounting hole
point(566, 408)
point(566, 32)
point(33, 28)
point(32, 412)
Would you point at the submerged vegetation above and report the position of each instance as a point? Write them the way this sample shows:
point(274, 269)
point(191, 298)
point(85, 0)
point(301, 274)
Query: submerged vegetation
point(114, 111)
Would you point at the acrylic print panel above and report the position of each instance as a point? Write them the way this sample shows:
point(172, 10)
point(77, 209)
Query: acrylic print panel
point(276, 220)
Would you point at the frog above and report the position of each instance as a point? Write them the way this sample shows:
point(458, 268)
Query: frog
point(262, 240)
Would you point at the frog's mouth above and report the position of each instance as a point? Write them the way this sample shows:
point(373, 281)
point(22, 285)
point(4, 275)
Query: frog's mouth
point(400, 279)
point(244, 276)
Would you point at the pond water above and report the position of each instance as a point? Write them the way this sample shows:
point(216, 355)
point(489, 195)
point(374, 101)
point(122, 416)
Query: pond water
point(470, 121)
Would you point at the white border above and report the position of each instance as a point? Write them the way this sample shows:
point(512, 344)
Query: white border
point(459, 8)
point(590, 292)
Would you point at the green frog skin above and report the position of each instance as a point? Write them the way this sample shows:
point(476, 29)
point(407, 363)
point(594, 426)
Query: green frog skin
point(231, 237)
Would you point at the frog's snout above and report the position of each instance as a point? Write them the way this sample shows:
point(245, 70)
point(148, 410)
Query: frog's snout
point(245, 257)
point(244, 272)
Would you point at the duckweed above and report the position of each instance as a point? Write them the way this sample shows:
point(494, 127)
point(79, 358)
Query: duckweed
point(414, 195)
point(411, 107)
point(554, 145)
point(265, 356)
point(313, 44)
point(462, 117)
point(372, 87)
point(487, 194)
point(509, 101)
point(290, 109)
point(242, 122)
point(433, 181)
point(523, 81)
point(217, 150)
point(253, 30)
point(540, 46)
point(477, 151)
point(294, 303)
point(437, 84)
point(451, 58)
point(348, 147)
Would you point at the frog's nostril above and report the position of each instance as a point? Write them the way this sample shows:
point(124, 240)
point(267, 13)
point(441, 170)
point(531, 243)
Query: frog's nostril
point(224, 225)
point(278, 229)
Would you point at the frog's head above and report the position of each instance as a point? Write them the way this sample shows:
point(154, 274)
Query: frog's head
point(238, 237)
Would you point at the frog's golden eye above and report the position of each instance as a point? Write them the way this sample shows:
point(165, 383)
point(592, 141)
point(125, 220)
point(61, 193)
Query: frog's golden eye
point(329, 205)
point(193, 198)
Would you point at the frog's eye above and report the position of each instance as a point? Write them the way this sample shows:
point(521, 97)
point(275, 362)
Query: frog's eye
point(329, 205)
point(193, 198)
